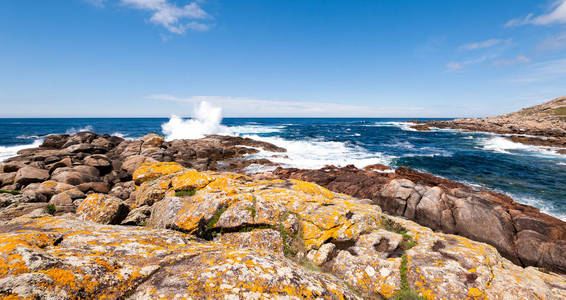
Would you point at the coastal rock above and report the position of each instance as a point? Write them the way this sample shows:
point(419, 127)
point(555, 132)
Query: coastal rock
point(253, 239)
point(132, 162)
point(99, 161)
point(540, 125)
point(451, 207)
point(27, 175)
point(7, 178)
point(137, 216)
point(349, 239)
point(152, 140)
point(102, 209)
point(262, 239)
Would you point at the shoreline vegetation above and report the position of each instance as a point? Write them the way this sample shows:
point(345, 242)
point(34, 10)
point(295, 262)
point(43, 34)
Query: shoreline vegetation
point(183, 208)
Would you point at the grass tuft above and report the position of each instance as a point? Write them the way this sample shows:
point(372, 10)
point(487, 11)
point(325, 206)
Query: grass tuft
point(185, 193)
point(216, 217)
point(51, 209)
point(9, 192)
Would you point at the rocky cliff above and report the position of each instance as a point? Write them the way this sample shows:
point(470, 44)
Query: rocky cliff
point(216, 234)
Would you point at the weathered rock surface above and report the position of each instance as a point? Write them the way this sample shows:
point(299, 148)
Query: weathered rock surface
point(272, 239)
point(521, 233)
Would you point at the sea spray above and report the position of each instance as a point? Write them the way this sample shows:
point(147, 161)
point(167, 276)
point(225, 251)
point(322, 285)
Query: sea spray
point(206, 120)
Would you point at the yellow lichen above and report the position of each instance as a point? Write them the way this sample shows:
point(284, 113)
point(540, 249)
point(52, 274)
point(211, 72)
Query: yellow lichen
point(153, 170)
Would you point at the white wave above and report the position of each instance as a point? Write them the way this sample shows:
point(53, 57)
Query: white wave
point(10, 151)
point(28, 137)
point(73, 130)
point(312, 154)
point(403, 125)
point(257, 168)
point(248, 129)
point(469, 137)
point(502, 145)
point(544, 206)
point(206, 120)
point(561, 164)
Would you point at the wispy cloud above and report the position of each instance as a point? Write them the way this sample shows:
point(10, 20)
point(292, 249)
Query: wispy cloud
point(454, 65)
point(176, 19)
point(259, 107)
point(520, 59)
point(483, 44)
point(97, 3)
point(171, 16)
point(556, 15)
point(557, 42)
point(551, 70)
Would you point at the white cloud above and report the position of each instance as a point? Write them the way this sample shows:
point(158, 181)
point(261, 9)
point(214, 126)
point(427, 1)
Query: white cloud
point(521, 59)
point(556, 42)
point(454, 66)
point(275, 108)
point(557, 15)
point(551, 70)
point(480, 45)
point(97, 3)
point(172, 16)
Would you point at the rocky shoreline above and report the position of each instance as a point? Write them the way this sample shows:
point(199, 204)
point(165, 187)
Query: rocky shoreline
point(96, 215)
point(540, 125)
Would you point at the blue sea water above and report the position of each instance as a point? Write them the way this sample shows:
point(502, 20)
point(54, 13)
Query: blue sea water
point(531, 175)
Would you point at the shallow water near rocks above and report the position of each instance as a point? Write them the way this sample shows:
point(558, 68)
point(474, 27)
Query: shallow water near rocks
point(531, 175)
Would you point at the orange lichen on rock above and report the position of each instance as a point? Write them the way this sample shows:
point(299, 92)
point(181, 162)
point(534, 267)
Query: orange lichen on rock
point(153, 170)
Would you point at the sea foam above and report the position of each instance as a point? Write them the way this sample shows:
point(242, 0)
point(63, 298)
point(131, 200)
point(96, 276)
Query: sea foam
point(10, 151)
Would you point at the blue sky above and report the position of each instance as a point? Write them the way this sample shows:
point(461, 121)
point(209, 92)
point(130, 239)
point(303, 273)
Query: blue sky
point(401, 58)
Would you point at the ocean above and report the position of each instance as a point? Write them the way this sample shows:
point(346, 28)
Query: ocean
point(531, 175)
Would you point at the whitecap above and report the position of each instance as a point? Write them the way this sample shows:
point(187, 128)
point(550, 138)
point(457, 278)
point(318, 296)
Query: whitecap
point(502, 145)
point(403, 125)
point(11, 151)
point(73, 130)
point(206, 121)
point(28, 137)
point(315, 154)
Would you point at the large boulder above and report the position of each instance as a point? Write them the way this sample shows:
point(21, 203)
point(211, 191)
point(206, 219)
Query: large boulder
point(27, 175)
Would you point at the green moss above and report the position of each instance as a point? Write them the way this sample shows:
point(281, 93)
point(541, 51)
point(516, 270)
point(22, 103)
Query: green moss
point(560, 111)
point(406, 293)
point(185, 193)
point(390, 225)
point(144, 223)
point(9, 192)
point(51, 209)
point(216, 217)
point(251, 209)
